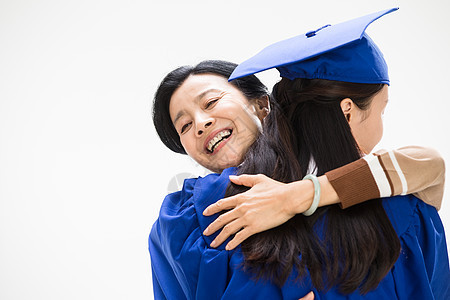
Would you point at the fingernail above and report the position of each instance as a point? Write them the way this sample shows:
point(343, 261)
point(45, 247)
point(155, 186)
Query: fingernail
point(205, 212)
point(206, 231)
point(227, 247)
point(213, 244)
point(232, 176)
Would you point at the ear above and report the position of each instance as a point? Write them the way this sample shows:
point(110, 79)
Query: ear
point(262, 107)
point(348, 108)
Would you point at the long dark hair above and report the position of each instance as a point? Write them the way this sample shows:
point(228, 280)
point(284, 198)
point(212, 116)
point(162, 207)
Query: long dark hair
point(359, 245)
point(250, 86)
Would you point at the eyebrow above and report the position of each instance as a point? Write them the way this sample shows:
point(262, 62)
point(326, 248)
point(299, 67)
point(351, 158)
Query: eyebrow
point(178, 116)
point(199, 97)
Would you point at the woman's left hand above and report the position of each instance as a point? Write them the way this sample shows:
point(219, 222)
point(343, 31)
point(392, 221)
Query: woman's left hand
point(266, 205)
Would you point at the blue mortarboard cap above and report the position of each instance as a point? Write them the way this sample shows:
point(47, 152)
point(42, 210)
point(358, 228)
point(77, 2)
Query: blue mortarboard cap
point(341, 52)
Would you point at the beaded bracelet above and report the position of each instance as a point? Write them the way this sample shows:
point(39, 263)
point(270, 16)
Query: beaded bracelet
point(316, 199)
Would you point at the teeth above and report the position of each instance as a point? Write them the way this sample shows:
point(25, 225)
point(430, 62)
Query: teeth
point(213, 143)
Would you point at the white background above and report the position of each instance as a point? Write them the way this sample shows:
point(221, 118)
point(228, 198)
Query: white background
point(82, 172)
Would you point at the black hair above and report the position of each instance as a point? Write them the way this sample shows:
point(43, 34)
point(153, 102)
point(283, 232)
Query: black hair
point(250, 86)
point(359, 245)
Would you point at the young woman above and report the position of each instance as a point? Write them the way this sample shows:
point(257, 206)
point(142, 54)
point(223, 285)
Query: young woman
point(184, 265)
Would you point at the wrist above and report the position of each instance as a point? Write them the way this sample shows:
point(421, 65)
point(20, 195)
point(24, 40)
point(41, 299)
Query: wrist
point(329, 195)
point(300, 195)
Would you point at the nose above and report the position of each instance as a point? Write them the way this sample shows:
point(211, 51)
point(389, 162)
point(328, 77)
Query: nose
point(202, 124)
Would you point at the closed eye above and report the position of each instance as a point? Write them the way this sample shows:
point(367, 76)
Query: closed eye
point(209, 103)
point(185, 127)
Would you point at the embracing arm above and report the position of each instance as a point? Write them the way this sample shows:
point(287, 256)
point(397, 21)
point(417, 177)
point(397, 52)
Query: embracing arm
point(408, 170)
point(270, 203)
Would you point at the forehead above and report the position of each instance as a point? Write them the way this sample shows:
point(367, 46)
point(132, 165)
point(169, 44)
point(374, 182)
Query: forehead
point(195, 87)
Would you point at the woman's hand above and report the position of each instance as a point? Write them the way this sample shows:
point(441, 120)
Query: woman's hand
point(266, 205)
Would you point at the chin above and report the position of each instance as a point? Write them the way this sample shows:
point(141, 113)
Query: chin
point(218, 168)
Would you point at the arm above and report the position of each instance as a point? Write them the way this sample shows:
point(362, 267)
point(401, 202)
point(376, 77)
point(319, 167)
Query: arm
point(270, 203)
point(183, 264)
point(408, 170)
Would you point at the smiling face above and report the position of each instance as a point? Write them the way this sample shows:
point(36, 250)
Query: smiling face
point(367, 125)
point(215, 121)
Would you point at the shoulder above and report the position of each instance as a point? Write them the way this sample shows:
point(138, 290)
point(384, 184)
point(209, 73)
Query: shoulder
point(180, 253)
point(401, 211)
point(178, 199)
point(177, 218)
point(408, 211)
point(202, 190)
point(423, 258)
point(211, 188)
point(181, 212)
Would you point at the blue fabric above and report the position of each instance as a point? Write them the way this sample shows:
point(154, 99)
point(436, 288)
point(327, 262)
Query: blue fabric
point(185, 267)
point(342, 52)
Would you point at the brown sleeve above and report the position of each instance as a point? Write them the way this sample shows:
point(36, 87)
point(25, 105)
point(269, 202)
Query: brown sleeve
point(353, 183)
point(406, 170)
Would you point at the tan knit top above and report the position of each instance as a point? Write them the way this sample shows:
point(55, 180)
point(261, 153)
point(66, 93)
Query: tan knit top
point(408, 170)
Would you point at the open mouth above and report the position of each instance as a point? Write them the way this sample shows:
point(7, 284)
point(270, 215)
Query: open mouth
point(218, 139)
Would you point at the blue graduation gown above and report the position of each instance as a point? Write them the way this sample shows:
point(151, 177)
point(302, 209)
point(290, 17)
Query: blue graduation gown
point(185, 267)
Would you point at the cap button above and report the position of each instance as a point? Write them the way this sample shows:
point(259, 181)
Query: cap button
point(313, 32)
point(310, 33)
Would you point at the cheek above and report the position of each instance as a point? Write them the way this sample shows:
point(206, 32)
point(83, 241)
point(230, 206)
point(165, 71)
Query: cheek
point(375, 133)
point(250, 121)
point(359, 131)
point(380, 129)
point(236, 109)
point(189, 146)
point(365, 134)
